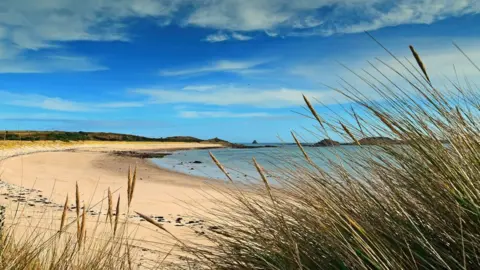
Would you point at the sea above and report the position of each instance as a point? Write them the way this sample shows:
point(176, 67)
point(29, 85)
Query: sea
point(239, 164)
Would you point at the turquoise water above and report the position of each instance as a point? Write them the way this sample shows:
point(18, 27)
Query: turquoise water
point(239, 161)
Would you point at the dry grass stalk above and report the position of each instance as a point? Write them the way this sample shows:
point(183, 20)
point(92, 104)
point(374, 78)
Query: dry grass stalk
point(220, 166)
point(64, 215)
point(264, 178)
point(301, 148)
point(132, 186)
point(117, 216)
point(419, 62)
point(357, 120)
point(388, 123)
point(160, 226)
point(349, 134)
point(460, 115)
point(314, 112)
point(150, 220)
point(129, 184)
point(77, 205)
point(83, 228)
point(110, 207)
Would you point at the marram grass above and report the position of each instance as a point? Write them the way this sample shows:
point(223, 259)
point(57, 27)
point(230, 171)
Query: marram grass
point(414, 205)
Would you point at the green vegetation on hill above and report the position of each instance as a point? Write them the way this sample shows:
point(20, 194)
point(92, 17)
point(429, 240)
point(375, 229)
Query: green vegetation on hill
point(95, 136)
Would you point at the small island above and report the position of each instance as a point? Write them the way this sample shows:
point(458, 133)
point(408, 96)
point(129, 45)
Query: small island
point(326, 143)
point(254, 142)
point(364, 141)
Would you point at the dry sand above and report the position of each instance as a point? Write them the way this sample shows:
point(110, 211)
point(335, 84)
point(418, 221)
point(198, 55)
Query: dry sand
point(38, 183)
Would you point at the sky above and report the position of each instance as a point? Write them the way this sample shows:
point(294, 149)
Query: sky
point(234, 69)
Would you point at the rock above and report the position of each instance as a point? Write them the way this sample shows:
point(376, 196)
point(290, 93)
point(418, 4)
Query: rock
point(254, 142)
point(197, 162)
point(31, 204)
point(326, 143)
point(178, 220)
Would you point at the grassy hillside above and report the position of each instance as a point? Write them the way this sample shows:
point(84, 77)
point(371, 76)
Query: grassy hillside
point(89, 136)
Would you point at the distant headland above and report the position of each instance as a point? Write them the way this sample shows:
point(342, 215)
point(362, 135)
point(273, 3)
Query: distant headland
point(67, 136)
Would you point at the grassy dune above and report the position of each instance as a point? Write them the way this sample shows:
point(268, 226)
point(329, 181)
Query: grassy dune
point(411, 206)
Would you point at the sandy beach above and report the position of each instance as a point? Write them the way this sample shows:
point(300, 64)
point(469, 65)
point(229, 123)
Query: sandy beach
point(40, 181)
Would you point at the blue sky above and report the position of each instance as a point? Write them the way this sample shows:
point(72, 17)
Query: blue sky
point(233, 69)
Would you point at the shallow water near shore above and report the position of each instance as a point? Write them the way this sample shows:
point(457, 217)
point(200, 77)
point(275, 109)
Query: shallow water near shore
point(239, 163)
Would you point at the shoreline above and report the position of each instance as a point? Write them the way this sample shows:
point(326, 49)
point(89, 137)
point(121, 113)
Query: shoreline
point(38, 183)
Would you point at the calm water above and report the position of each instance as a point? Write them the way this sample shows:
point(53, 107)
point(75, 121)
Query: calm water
point(239, 161)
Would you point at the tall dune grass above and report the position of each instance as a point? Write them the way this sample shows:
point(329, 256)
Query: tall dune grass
point(409, 206)
point(39, 244)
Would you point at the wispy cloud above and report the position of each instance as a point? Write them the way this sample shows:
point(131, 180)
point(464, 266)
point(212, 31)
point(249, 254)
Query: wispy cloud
point(241, 37)
point(221, 37)
point(59, 104)
point(221, 114)
point(81, 123)
point(271, 33)
point(200, 88)
point(441, 58)
point(345, 16)
point(48, 64)
point(225, 96)
point(53, 22)
point(217, 37)
point(217, 66)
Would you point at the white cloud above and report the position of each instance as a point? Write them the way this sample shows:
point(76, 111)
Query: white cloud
point(217, 66)
point(220, 37)
point(199, 88)
point(36, 25)
point(221, 114)
point(118, 105)
point(217, 37)
point(225, 96)
point(241, 37)
point(324, 16)
point(59, 104)
point(271, 33)
point(31, 26)
point(308, 22)
point(438, 55)
point(47, 64)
